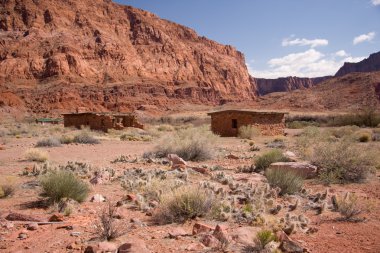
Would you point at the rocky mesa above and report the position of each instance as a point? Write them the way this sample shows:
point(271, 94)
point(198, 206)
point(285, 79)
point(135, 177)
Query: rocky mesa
point(58, 55)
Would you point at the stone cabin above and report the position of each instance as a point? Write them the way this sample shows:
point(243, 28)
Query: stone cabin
point(101, 121)
point(226, 123)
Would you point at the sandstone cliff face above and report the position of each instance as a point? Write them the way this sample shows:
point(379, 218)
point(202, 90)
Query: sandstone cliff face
point(118, 53)
point(266, 86)
point(370, 64)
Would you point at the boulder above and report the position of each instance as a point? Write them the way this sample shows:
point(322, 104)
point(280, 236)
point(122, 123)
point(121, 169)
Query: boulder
point(289, 246)
point(107, 247)
point(177, 232)
point(199, 228)
point(133, 246)
point(56, 218)
point(32, 226)
point(21, 217)
point(244, 235)
point(97, 198)
point(304, 169)
point(210, 241)
point(221, 234)
point(176, 161)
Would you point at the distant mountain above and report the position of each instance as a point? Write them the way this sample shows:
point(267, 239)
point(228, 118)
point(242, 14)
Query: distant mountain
point(351, 92)
point(370, 64)
point(266, 86)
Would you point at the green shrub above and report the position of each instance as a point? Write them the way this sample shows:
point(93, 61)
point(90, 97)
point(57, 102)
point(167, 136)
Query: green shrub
point(84, 137)
point(192, 144)
point(287, 181)
point(61, 184)
point(262, 162)
point(49, 142)
point(341, 162)
point(248, 132)
point(183, 204)
point(36, 155)
point(264, 237)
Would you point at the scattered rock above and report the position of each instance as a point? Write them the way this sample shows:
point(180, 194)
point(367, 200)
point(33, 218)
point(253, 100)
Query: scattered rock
point(134, 246)
point(303, 169)
point(56, 218)
point(22, 235)
point(289, 246)
point(177, 162)
point(107, 247)
point(131, 197)
point(244, 235)
point(221, 234)
point(232, 157)
point(209, 241)
point(177, 232)
point(75, 234)
point(21, 217)
point(32, 226)
point(97, 198)
point(199, 228)
point(201, 170)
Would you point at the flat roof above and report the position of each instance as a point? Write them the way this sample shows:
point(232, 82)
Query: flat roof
point(99, 113)
point(247, 111)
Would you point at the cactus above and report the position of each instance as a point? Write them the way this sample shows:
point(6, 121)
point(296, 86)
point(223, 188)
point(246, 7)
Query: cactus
point(293, 207)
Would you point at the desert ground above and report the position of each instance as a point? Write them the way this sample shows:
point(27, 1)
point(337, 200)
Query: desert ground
point(131, 185)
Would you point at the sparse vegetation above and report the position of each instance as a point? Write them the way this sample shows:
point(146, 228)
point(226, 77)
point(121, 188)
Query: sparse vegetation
point(350, 206)
point(6, 190)
point(85, 137)
point(263, 238)
point(248, 132)
point(287, 181)
point(66, 139)
point(49, 142)
point(183, 204)
point(107, 227)
point(36, 155)
point(61, 184)
point(192, 144)
point(262, 162)
point(341, 162)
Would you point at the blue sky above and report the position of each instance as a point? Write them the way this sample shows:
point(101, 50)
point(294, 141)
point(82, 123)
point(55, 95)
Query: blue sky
point(281, 37)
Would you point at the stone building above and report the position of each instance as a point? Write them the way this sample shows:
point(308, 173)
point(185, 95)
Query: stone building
point(101, 121)
point(226, 123)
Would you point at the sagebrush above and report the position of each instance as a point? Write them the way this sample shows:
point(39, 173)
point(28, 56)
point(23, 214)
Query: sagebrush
point(262, 162)
point(288, 181)
point(183, 204)
point(192, 144)
point(60, 184)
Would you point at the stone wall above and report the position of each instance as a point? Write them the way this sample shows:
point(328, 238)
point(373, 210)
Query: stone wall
point(101, 122)
point(268, 123)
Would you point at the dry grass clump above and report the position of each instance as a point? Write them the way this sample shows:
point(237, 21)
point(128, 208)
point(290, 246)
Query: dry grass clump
point(66, 139)
point(183, 204)
point(134, 134)
point(107, 227)
point(262, 162)
point(376, 134)
point(36, 155)
point(60, 184)
point(192, 144)
point(49, 142)
point(287, 181)
point(350, 206)
point(341, 162)
point(6, 190)
point(165, 128)
point(85, 137)
point(301, 124)
point(248, 132)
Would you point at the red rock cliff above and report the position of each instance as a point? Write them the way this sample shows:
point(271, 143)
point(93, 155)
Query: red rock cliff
point(104, 55)
point(370, 64)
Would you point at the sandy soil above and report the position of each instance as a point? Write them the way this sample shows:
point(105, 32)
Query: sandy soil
point(331, 235)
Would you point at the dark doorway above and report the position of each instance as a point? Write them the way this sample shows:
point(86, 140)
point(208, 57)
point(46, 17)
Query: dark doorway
point(234, 124)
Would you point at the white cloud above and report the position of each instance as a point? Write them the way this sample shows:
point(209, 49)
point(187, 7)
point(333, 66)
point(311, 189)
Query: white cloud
point(364, 37)
point(375, 2)
point(304, 42)
point(341, 53)
point(310, 63)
